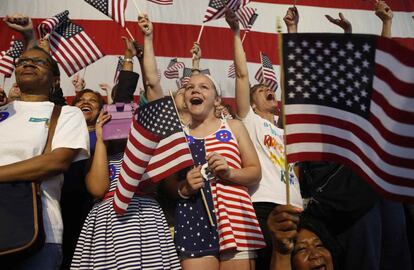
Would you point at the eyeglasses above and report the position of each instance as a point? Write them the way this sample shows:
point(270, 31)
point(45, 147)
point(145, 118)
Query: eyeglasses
point(36, 61)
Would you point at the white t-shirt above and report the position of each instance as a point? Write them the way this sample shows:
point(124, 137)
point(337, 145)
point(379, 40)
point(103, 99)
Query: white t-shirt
point(23, 135)
point(268, 141)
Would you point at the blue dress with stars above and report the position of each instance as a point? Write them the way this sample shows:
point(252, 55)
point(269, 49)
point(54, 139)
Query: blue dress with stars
point(194, 234)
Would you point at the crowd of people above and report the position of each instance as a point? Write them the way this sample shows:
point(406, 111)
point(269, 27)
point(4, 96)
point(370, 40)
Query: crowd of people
point(228, 211)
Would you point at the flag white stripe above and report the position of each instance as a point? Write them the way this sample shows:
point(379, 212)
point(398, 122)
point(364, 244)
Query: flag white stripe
point(390, 124)
point(62, 59)
point(405, 73)
point(123, 191)
point(95, 53)
point(392, 97)
point(165, 167)
point(119, 203)
point(351, 156)
point(365, 148)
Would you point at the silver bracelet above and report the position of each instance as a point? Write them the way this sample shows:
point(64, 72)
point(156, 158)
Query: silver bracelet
point(181, 195)
point(130, 60)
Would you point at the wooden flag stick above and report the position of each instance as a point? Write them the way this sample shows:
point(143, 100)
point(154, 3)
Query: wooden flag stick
point(203, 196)
point(200, 33)
point(129, 33)
point(244, 36)
point(136, 6)
point(283, 115)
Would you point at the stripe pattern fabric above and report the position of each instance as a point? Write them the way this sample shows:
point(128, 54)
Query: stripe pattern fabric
point(7, 57)
point(156, 146)
point(236, 219)
point(355, 106)
point(114, 9)
point(73, 48)
point(140, 239)
point(266, 74)
point(49, 25)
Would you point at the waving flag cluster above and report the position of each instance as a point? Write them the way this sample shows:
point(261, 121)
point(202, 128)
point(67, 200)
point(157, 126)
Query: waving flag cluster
point(350, 99)
point(266, 74)
point(72, 47)
point(156, 148)
point(7, 57)
point(217, 8)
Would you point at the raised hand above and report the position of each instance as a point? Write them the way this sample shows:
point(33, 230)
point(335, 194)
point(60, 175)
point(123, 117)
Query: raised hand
point(130, 50)
point(196, 51)
point(218, 166)
point(193, 182)
point(44, 43)
point(78, 82)
point(139, 50)
point(291, 19)
point(383, 11)
point(341, 22)
point(283, 224)
point(20, 23)
point(103, 118)
point(232, 20)
point(145, 24)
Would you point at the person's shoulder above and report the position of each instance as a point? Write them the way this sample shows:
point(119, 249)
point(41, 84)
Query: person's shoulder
point(71, 112)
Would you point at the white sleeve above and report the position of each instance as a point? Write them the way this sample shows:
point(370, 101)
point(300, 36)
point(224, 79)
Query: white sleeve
point(72, 132)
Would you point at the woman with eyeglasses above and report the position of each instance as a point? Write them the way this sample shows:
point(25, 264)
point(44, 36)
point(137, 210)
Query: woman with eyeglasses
point(24, 128)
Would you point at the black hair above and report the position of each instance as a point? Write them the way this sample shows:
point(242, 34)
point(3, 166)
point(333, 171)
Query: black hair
point(316, 226)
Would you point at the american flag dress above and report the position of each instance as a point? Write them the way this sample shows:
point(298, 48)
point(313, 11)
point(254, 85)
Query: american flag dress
point(139, 239)
point(236, 222)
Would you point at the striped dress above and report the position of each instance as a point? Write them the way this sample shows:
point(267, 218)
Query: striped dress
point(236, 222)
point(139, 239)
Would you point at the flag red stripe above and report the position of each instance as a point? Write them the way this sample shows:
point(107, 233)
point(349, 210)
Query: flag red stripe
point(388, 45)
point(340, 159)
point(396, 5)
point(78, 50)
point(400, 87)
point(394, 113)
point(357, 130)
point(393, 138)
point(166, 160)
point(329, 139)
point(163, 175)
point(67, 64)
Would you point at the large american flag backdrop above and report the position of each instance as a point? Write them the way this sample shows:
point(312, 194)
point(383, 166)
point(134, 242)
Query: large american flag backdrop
point(177, 27)
point(350, 99)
